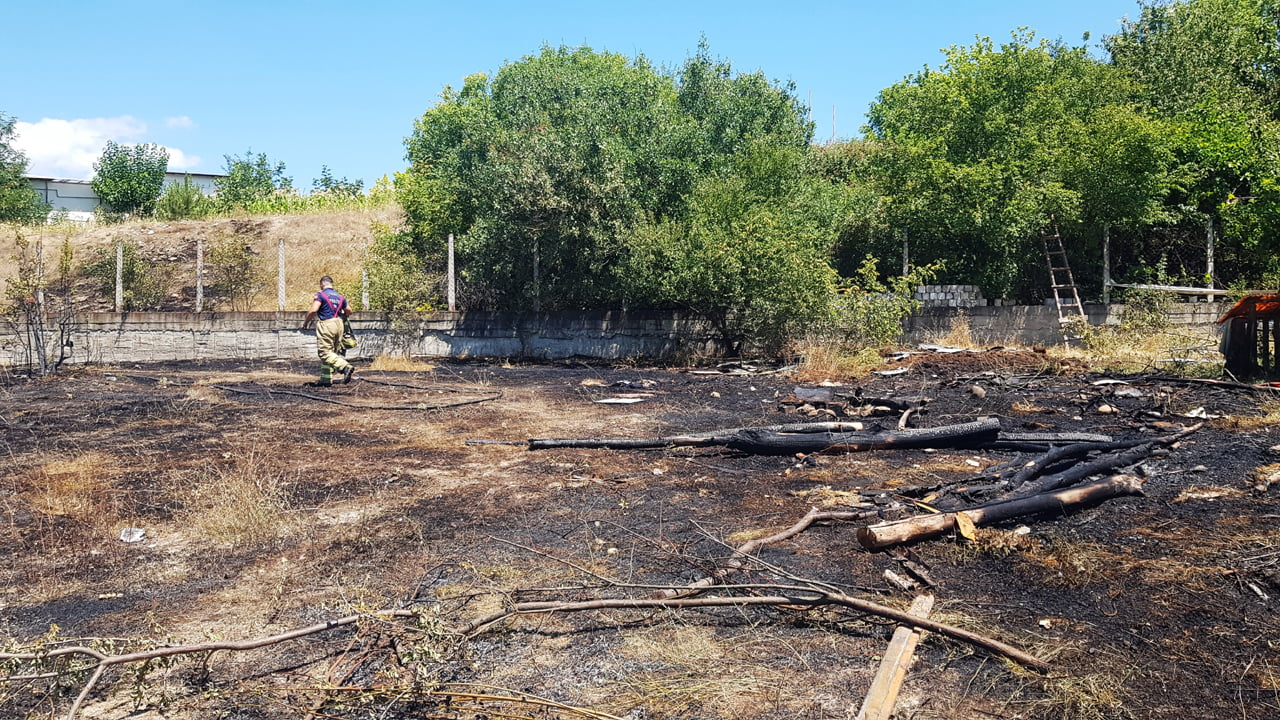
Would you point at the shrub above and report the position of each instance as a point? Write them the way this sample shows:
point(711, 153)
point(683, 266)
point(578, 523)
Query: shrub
point(869, 313)
point(236, 271)
point(145, 283)
point(183, 201)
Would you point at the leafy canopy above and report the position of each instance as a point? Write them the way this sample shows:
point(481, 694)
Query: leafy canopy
point(18, 201)
point(250, 178)
point(129, 178)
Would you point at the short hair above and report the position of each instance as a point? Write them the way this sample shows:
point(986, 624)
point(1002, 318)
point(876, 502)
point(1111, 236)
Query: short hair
point(326, 280)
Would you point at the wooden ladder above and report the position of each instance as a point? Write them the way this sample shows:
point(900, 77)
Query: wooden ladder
point(1061, 280)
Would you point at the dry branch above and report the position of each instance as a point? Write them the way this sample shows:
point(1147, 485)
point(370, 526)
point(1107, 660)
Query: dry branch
point(901, 532)
point(743, 551)
point(798, 596)
point(790, 439)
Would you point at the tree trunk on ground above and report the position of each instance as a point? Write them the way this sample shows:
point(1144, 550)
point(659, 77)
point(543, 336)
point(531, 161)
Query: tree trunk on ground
point(901, 532)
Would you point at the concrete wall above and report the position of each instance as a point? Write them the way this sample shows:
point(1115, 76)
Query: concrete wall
point(117, 338)
point(1038, 324)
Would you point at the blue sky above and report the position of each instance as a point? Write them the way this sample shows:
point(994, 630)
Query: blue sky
point(340, 83)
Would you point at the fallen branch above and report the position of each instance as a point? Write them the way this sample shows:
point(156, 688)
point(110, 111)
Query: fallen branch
point(924, 527)
point(1034, 468)
point(717, 437)
point(743, 552)
point(359, 406)
point(797, 596)
point(104, 661)
point(805, 438)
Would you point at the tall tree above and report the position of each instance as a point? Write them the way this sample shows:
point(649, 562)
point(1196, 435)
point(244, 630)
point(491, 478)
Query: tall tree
point(130, 178)
point(1211, 69)
point(249, 178)
point(977, 157)
point(18, 201)
point(545, 168)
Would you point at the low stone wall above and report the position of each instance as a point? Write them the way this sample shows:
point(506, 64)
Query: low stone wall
point(1038, 324)
point(950, 296)
point(118, 338)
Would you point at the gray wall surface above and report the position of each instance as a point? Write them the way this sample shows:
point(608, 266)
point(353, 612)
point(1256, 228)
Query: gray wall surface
point(115, 338)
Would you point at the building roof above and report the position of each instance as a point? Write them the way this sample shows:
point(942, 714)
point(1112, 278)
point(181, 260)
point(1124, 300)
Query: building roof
point(1261, 306)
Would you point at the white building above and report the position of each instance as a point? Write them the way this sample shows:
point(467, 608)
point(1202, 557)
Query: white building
point(76, 199)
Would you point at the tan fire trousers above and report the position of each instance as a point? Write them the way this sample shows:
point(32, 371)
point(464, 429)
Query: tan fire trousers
point(329, 343)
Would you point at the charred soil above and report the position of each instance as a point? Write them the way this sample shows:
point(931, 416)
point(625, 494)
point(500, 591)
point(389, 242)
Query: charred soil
point(263, 506)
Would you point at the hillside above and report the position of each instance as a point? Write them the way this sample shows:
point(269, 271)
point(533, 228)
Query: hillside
point(330, 242)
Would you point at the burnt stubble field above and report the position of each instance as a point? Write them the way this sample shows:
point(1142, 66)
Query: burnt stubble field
point(264, 508)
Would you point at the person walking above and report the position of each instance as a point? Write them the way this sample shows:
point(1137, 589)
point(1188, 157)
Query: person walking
point(328, 311)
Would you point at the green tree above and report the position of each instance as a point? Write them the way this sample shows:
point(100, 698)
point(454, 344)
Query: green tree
point(129, 178)
point(327, 183)
point(250, 178)
point(18, 201)
point(542, 171)
point(1211, 70)
point(975, 158)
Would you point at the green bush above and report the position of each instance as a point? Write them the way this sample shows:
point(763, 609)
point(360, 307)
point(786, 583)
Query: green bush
point(129, 178)
point(868, 312)
point(398, 284)
point(236, 271)
point(146, 283)
point(184, 201)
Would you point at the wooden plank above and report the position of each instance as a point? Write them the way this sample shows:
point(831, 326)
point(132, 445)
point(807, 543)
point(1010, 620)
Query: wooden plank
point(883, 693)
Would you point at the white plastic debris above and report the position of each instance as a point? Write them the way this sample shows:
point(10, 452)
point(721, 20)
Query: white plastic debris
point(132, 535)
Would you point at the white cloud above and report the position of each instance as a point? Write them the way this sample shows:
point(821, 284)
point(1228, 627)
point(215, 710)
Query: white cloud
point(179, 160)
point(181, 121)
point(68, 148)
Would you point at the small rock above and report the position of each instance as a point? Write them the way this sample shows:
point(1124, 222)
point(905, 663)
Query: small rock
point(1274, 449)
point(978, 392)
point(715, 394)
point(1105, 409)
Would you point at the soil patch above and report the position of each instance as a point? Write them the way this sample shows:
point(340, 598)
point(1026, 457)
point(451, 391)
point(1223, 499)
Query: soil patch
point(270, 510)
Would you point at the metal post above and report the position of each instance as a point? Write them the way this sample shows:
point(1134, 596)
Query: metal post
point(1106, 264)
point(453, 287)
point(364, 288)
point(906, 255)
point(119, 275)
point(1208, 273)
point(199, 275)
point(280, 275)
point(537, 289)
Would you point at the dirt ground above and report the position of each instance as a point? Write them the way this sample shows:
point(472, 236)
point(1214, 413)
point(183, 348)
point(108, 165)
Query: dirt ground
point(270, 509)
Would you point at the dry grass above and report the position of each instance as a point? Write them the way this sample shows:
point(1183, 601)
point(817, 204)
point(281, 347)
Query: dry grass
point(828, 361)
point(690, 671)
point(78, 488)
point(242, 501)
point(400, 363)
point(959, 333)
point(316, 244)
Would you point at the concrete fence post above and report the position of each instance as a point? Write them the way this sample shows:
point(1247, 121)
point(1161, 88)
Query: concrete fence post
point(280, 275)
point(453, 287)
point(119, 275)
point(199, 275)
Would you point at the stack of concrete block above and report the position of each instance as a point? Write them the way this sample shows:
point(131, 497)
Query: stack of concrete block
point(950, 295)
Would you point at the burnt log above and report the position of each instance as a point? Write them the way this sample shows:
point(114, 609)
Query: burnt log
point(798, 438)
point(758, 442)
point(924, 527)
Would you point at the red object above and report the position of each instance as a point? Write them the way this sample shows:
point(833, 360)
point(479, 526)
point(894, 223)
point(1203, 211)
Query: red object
point(1266, 307)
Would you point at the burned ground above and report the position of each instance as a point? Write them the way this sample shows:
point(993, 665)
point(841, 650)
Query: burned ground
point(270, 511)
